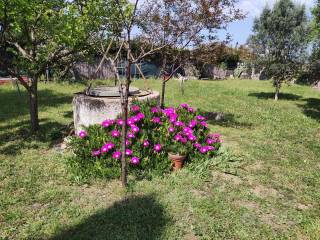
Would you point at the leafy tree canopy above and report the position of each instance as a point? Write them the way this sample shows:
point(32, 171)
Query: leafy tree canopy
point(280, 40)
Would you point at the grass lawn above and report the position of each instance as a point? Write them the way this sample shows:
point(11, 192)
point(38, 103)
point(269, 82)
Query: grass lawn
point(264, 186)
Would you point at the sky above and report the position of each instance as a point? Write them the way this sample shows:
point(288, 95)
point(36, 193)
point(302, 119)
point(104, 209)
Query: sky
point(241, 30)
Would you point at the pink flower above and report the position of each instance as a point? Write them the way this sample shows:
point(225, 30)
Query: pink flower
point(135, 160)
point(197, 145)
point(192, 124)
point(115, 133)
point(210, 141)
point(83, 134)
point(192, 138)
point(204, 124)
point(204, 149)
point(128, 152)
point(116, 155)
point(188, 130)
point(169, 112)
point(177, 137)
point(154, 110)
point(104, 148)
point(108, 146)
point(183, 140)
point(120, 122)
point(157, 147)
point(179, 124)
point(173, 119)
point(95, 153)
point(135, 108)
point(134, 129)
point(140, 116)
point(130, 135)
point(155, 120)
point(107, 123)
point(215, 137)
point(210, 148)
point(136, 119)
point(200, 118)
point(130, 121)
point(190, 109)
point(128, 143)
point(184, 105)
point(171, 129)
point(172, 116)
point(146, 143)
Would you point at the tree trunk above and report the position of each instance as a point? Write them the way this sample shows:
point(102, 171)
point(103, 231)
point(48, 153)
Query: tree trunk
point(125, 118)
point(33, 105)
point(276, 96)
point(163, 91)
point(163, 88)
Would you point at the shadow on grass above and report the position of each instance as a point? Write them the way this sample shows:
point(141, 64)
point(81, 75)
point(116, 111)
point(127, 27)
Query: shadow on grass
point(270, 95)
point(311, 108)
point(225, 120)
point(14, 105)
point(140, 217)
point(16, 138)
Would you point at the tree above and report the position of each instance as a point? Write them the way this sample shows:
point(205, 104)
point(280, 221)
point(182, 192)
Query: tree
point(41, 33)
point(316, 26)
point(315, 34)
point(313, 74)
point(151, 18)
point(280, 41)
point(179, 25)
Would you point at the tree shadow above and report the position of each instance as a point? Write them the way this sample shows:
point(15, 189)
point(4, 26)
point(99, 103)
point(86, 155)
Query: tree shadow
point(225, 120)
point(270, 95)
point(311, 108)
point(14, 104)
point(139, 217)
point(17, 137)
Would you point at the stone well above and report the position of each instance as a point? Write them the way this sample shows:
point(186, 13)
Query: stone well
point(101, 103)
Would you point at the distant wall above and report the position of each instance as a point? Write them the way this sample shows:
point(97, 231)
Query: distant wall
point(85, 70)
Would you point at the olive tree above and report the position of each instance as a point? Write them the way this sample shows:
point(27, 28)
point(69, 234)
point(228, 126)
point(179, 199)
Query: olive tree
point(280, 41)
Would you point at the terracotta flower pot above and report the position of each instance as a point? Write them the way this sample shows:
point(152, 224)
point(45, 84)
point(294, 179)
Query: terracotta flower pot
point(177, 160)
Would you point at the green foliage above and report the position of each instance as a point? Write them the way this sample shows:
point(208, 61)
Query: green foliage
point(280, 40)
point(168, 129)
point(312, 73)
point(51, 32)
point(316, 21)
point(240, 69)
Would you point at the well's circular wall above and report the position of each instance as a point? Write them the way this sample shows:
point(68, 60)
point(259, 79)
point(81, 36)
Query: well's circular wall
point(88, 110)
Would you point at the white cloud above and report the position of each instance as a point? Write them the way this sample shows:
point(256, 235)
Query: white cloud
point(255, 7)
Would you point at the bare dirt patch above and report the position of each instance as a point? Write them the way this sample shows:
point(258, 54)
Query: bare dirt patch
point(248, 204)
point(265, 192)
point(257, 166)
point(268, 217)
point(230, 178)
point(190, 236)
point(102, 196)
point(199, 193)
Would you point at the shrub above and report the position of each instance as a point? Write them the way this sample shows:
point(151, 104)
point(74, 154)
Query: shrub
point(153, 132)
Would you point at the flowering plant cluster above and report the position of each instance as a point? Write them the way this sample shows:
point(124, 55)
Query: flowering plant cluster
point(152, 134)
